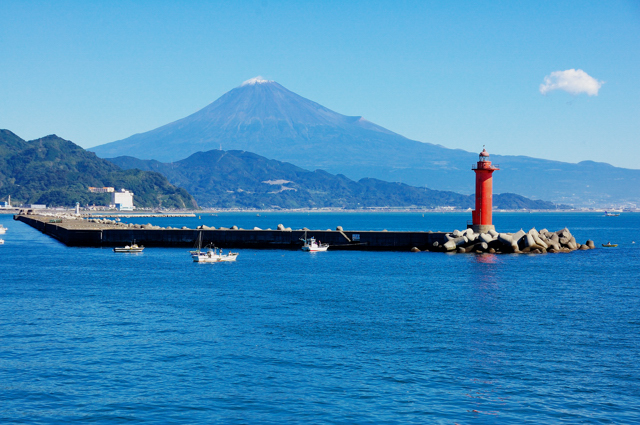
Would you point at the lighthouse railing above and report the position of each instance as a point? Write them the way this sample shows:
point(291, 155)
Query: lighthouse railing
point(493, 167)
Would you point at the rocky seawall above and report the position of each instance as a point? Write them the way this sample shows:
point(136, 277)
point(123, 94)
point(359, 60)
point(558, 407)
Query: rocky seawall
point(532, 242)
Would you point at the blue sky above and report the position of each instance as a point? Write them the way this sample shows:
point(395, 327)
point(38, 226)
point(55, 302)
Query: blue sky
point(459, 74)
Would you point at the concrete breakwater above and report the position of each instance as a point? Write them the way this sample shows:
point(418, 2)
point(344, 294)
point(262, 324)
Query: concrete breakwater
point(74, 231)
point(108, 233)
point(533, 241)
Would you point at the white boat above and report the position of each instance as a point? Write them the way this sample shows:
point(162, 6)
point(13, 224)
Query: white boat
point(129, 248)
point(311, 245)
point(3, 229)
point(1, 241)
point(211, 254)
point(608, 214)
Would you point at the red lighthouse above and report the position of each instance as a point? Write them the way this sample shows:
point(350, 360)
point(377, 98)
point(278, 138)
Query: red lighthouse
point(484, 187)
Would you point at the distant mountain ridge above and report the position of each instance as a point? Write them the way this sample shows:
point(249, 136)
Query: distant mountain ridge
point(57, 172)
point(264, 117)
point(239, 179)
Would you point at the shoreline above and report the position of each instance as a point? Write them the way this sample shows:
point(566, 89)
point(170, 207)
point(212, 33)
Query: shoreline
point(151, 212)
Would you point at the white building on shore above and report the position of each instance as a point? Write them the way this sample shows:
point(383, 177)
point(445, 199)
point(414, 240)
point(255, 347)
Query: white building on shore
point(122, 200)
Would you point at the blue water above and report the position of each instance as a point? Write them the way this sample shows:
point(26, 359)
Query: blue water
point(89, 336)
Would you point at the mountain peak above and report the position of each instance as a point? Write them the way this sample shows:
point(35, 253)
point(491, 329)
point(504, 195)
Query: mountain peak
point(256, 80)
point(259, 116)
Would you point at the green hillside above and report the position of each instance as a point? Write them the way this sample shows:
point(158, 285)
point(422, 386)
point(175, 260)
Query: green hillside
point(239, 179)
point(57, 172)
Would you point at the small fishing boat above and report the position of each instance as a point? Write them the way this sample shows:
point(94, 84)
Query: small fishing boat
point(3, 229)
point(211, 254)
point(1, 241)
point(609, 245)
point(608, 214)
point(311, 245)
point(129, 248)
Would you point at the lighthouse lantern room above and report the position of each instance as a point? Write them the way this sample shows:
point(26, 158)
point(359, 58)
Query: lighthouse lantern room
point(482, 215)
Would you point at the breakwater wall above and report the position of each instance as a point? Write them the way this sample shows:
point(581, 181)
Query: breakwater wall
point(83, 233)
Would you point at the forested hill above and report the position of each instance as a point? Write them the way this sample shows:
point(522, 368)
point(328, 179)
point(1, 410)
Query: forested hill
point(57, 172)
point(230, 179)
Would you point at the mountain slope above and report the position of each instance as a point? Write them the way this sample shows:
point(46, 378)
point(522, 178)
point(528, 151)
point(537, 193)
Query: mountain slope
point(264, 117)
point(228, 179)
point(258, 117)
point(57, 172)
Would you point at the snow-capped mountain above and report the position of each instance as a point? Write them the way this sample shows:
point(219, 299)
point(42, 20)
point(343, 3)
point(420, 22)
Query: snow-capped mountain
point(263, 117)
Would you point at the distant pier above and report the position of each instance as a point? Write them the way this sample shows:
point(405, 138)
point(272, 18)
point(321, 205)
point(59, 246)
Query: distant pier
point(138, 215)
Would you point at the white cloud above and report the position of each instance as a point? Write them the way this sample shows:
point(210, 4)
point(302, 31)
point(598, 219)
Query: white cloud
point(574, 81)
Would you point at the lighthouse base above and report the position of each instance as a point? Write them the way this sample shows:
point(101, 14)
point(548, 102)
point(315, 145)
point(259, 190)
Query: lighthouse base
point(481, 228)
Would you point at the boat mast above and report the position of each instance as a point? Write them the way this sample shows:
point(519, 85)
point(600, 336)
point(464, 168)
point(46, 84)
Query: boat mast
point(199, 240)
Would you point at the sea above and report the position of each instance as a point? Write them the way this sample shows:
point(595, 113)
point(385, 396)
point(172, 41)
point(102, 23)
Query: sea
point(280, 336)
